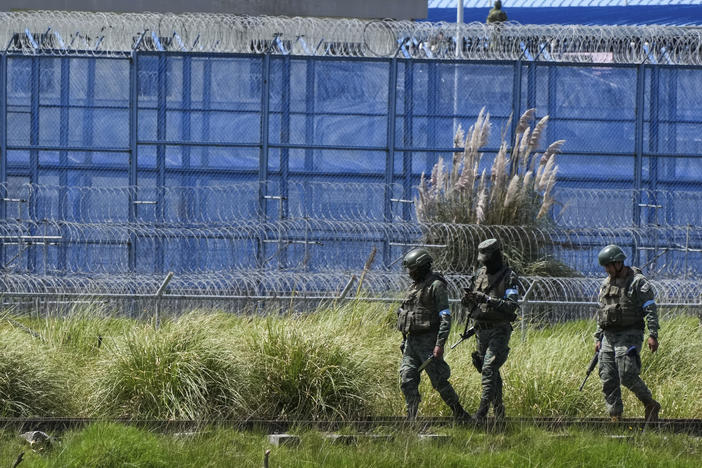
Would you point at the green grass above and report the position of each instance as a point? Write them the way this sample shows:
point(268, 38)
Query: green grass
point(340, 362)
point(111, 445)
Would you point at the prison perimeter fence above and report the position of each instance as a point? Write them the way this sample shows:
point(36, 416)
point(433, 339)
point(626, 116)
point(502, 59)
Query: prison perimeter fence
point(277, 159)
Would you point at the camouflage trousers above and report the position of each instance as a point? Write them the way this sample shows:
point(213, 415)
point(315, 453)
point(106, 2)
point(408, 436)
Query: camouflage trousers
point(493, 348)
point(620, 364)
point(417, 349)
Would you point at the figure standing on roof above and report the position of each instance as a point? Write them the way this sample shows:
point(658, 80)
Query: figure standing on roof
point(496, 14)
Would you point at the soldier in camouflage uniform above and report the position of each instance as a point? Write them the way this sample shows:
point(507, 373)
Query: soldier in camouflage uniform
point(626, 299)
point(425, 321)
point(495, 292)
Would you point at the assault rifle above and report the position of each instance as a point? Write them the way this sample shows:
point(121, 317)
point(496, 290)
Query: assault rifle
point(590, 368)
point(468, 332)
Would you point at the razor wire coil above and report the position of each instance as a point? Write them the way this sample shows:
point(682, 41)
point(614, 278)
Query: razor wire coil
point(84, 33)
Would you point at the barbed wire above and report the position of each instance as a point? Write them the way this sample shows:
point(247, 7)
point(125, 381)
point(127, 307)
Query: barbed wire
point(56, 32)
point(323, 244)
point(543, 299)
point(574, 207)
point(203, 204)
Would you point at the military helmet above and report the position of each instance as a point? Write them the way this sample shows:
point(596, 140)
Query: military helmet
point(416, 258)
point(487, 248)
point(610, 254)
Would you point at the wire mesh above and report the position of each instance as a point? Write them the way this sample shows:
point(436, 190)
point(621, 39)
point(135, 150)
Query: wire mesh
point(547, 300)
point(112, 33)
point(574, 208)
point(213, 228)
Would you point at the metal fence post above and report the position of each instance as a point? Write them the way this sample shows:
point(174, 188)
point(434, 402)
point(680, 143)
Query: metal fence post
point(33, 154)
point(63, 156)
point(516, 98)
point(408, 138)
point(158, 297)
point(284, 152)
point(161, 137)
point(263, 155)
point(133, 151)
point(390, 156)
point(638, 152)
point(3, 145)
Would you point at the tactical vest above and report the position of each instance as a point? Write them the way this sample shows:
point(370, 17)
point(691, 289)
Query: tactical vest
point(418, 312)
point(482, 284)
point(617, 309)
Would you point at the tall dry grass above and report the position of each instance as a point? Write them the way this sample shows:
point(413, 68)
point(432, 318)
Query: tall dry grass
point(339, 362)
point(517, 190)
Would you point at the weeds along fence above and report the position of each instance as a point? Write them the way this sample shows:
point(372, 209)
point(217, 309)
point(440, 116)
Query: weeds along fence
point(65, 33)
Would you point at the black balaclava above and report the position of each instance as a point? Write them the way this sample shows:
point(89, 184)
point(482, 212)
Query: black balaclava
point(419, 273)
point(493, 263)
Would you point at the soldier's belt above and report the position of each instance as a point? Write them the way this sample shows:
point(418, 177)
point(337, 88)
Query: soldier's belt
point(490, 325)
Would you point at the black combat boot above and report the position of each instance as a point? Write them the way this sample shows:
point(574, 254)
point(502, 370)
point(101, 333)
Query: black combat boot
point(481, 414)
point(651, 410)
point(412, 408)
point(499, 409)
point(460, 415)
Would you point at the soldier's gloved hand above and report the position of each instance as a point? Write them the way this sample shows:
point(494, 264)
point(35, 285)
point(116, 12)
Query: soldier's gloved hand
point(467, 299)
point(481, 298)
point(402, 346)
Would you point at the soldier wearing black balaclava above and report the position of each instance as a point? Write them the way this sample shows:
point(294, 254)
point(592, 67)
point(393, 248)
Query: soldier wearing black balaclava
point(496, 292)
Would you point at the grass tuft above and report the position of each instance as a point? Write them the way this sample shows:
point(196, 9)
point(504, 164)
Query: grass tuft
point(181, 371)
point(33, 381)
point(297, 372)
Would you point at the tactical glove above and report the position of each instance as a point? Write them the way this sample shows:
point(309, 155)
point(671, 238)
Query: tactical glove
point(481, 298)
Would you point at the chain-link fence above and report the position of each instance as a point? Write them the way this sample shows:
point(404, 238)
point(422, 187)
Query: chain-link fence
point(284, 172)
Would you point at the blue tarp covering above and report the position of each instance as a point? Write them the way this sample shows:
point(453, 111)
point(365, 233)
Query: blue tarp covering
point(601, 15)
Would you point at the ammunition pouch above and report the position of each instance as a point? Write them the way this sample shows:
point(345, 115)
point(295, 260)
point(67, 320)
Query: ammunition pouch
point(491, 314)
point(609, 316)
point(618, 311)
point(414, 317)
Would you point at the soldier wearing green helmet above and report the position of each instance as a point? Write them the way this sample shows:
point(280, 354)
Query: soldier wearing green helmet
point(494, 301)
point(425, 321)
point(626, 300)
